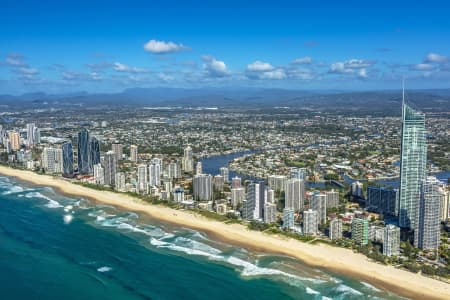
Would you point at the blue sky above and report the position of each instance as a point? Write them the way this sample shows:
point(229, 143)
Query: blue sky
point(107, 46)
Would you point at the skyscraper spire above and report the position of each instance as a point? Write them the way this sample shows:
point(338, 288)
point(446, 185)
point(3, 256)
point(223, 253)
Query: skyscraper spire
point(403, 91)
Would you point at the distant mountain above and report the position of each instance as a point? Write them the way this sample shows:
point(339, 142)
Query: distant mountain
point(370, 101)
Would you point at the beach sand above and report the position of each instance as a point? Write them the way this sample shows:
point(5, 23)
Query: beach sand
point(339, 260)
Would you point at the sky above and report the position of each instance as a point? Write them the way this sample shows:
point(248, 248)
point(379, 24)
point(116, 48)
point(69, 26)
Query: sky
point(109, 46)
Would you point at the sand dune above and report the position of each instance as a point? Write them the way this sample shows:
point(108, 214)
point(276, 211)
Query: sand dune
point(340, 260)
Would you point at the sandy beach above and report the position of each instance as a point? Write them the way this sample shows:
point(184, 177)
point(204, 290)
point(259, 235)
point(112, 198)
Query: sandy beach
point(339, 260)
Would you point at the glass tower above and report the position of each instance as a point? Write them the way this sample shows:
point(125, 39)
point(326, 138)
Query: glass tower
point(67, 158)
point(413, 165)
point(94, 153)
point(83, 152)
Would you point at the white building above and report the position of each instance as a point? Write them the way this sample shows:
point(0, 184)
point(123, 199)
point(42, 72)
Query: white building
point(391, 242)
point(270, 213)
point(99, 174)
point(310, 222)
point(295, 194)
point(335, 231)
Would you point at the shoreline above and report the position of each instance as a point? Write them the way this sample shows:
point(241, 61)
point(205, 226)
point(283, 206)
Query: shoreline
point(338, 260)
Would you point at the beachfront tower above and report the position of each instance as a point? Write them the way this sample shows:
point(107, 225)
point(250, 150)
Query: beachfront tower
point(83, 151)
point(427, 230)
point(391, 240)
point(67, 151)
point(360, 231)
point(413, 164)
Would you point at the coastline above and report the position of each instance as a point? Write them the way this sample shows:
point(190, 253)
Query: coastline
point(339, 260)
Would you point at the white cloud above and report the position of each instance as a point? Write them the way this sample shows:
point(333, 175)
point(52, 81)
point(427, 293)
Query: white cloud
point(120, 67)
point(214, 67)
point(357, 63)
point(339, 68)
point(259, 66)
point(422, 67)
point(28, 71)
point(435, 58)
point(275, 74)
point(165, 77)
point(301, 73)
point(302, 60)
point(162, 47)
point(15, 60)
point(362, 73)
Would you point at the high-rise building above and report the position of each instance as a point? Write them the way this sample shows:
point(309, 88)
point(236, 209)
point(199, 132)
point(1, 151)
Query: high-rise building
point(357, 189)
point(427, 231)
point(335, 231)
point(99, 174)
point(254, 205)
point(299, 173)
point(295, 194)
point(198, 168)
point(154, 172)
point(332, 198)
point(94, 153)
point(218, 181)
point(203, 189)
point(110, 165)
point(310, 222)
point(174, 170)
point(413, 159)
point(49, 162)
point(67, 158)
point(270, 213)
point(120, 182)
point(319, 204)
point(237, 196)
point(382, 200)
point(30, 134)
point(444, 213)
point(236, 182)
point(142, 178)
point(277, 182)
point(118, 150)
point(288, 218)
point(134, 153)
point(83, 152)
point(360, 231)
point(391, 243)
point(270, 195)
point(14, 139)
point(225, 174)
point(188, 160)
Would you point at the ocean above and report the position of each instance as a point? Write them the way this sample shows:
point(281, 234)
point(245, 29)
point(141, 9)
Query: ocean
point(58, 247)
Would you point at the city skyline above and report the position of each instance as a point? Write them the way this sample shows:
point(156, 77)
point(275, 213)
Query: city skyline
point(94, 47)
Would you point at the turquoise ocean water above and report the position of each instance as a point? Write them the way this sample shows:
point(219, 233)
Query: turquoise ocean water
point(58, 247)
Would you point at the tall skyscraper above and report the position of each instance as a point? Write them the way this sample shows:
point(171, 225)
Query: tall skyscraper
point(237, 196)
point(142, 178)
point(254, 205)
point(110, 165)
point(299, 173)
point(391, 243)
point(427, 231)
point(319, 204)
point(203, 189)
point(120, 182)
point(413, 164)
point(67, 158)
point(14, 139)
point(270, 210)
point(310, 222)
point(188, 160)
point(332, 198)
point(83, 152)
point(94, 153)
point(294, 194)
point(174, 170)
point(99, 174)
point(154, 172)
point(133, 153)
point(225, 173)
point(30, 134)
point(382, 200)
point(118, 150)
point(236, 182)
point(198, 168)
